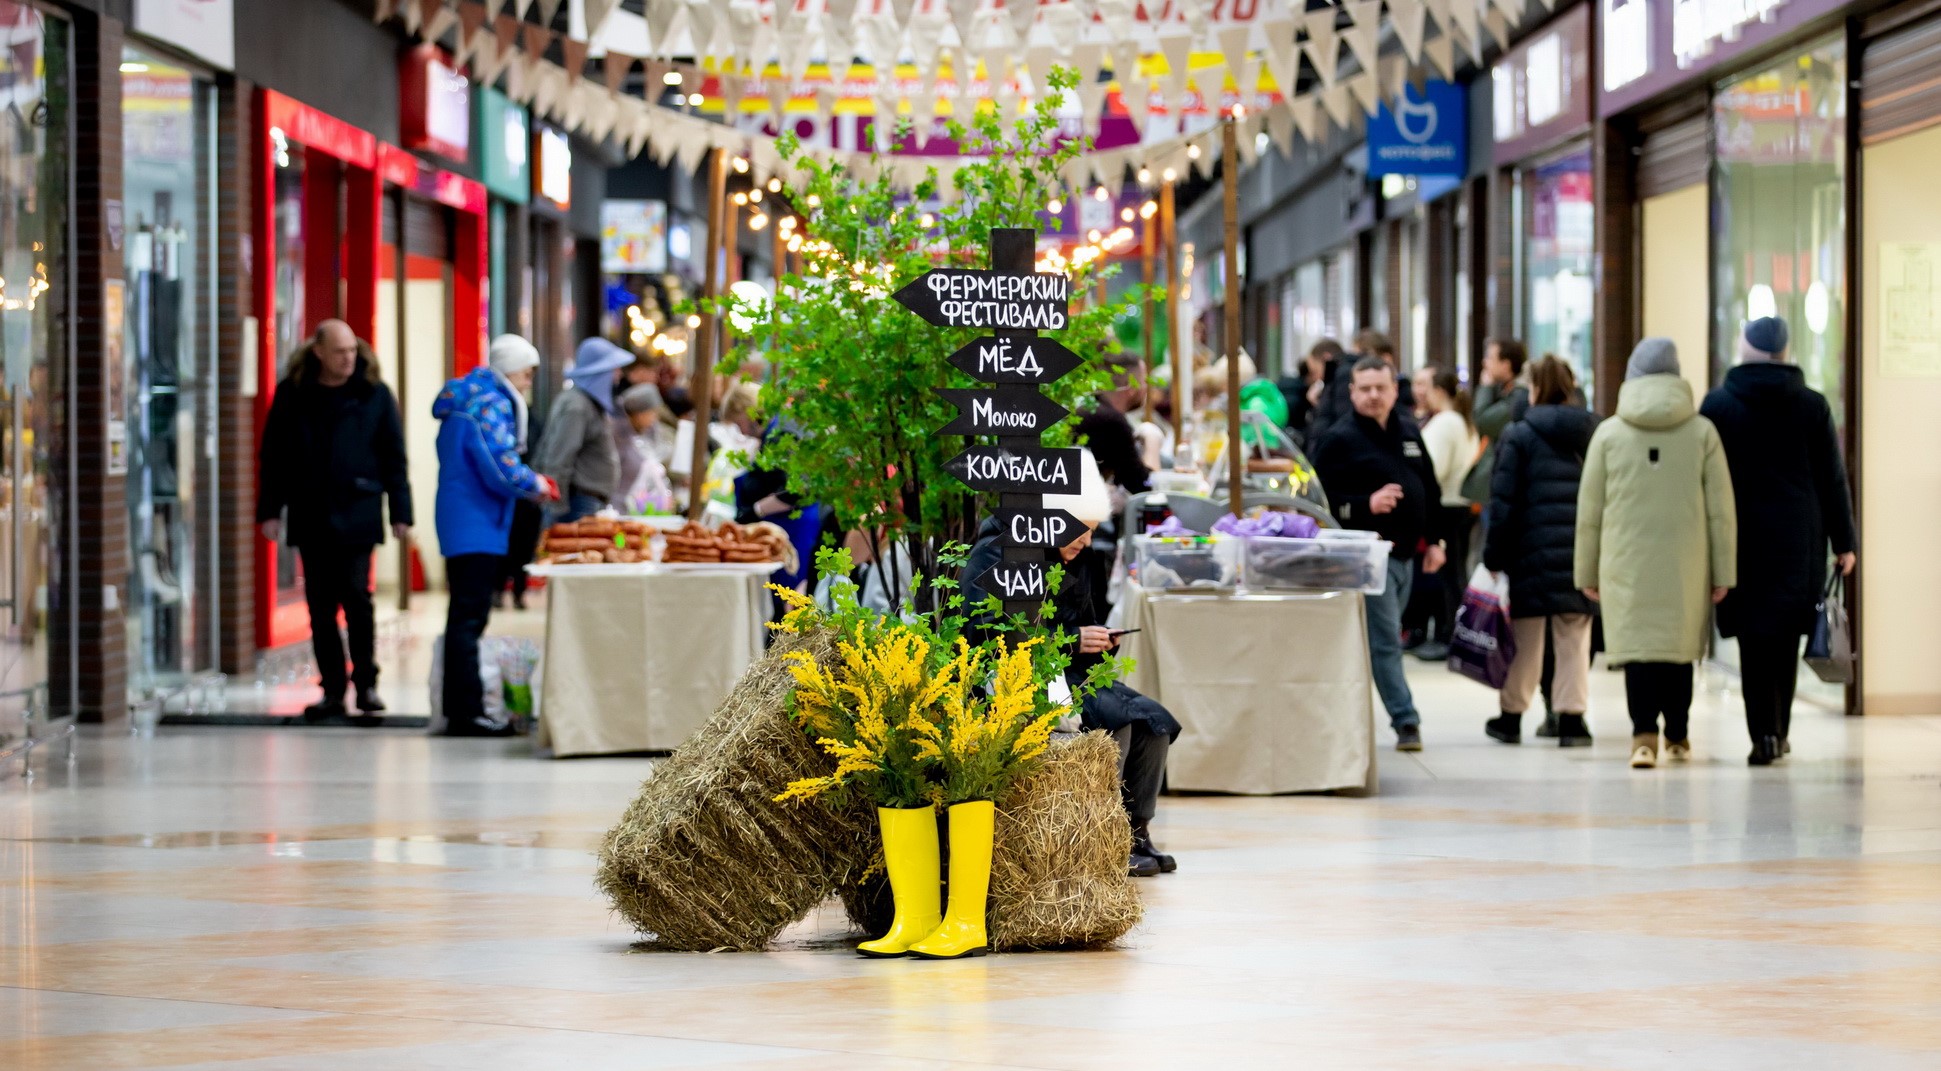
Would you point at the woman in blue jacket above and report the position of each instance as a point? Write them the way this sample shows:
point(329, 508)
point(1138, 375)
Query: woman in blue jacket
point(480, 477)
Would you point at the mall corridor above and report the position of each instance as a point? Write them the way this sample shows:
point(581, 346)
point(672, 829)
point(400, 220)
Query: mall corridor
point(320, 899)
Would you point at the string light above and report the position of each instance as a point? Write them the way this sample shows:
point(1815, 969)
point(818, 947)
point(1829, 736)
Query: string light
point(1170, 175)
point(1092, 235)
point(1145, 174)
point(814, 201)
point(1148, 210)
point(775, 185)
point(1054, 206)
point(693, 321)
point(694, 100)
point(1125, 214)
point(755, 195)
point(671, 78)
point(741, 199)
point(927, 221)
point(741, 165)
point(1100, 194)
point(1240, 111)
point(1193, 151)
point(758, 221)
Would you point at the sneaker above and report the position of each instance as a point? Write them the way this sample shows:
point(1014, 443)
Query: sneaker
point(1678, 751)
point(1644, 752)
point(1433, 652)
point(1572, 732)
point(1408, 738)
point(1505, 728)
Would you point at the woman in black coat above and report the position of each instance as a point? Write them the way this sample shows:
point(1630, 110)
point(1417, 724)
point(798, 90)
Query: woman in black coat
point(332, 451)
point(1530, 532)
point(1791, 488)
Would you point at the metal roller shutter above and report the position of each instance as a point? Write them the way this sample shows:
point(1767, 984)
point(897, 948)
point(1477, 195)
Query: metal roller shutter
point(1675, 156)
point(1900, 73)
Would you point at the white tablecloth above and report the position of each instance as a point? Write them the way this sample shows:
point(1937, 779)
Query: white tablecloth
point(1272, 689)
point(637, 662)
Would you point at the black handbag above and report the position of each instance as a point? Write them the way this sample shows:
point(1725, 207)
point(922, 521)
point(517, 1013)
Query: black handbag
point(1829, 650)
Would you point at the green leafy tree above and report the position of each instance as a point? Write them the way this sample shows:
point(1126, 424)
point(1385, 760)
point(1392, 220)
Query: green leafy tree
point(855, 372)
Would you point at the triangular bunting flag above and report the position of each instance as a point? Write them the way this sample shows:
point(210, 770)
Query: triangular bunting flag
point(618, 66)
point(1280, 129)
point(1038, 60)
point(1322, 44)
point(1233, 45)
point(963, 15)
point(573, 54)
point(1303, 111)
point(1442, 55)
point(1116, 16)
point(1367, 88)
point(778, 102)
point(547, 10)
point(1178, 50)
point(1408, 17)
point(1022, 13)
point(1339, 102)
point(1364, 37)
point(701, 26)
point(660, 23)
point(1061, 25)
point(596, 17)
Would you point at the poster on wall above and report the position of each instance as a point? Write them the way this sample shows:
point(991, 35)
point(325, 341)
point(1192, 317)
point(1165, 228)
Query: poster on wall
point(113, 310)
point(1910, 309)
point(633, 237)
point(206, 28)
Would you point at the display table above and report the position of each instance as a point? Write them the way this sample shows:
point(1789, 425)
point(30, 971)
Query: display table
point(1272, 689)
point(637, 657)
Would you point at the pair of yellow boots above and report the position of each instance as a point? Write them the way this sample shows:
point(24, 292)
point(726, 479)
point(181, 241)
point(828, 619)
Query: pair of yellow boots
point(910, 854)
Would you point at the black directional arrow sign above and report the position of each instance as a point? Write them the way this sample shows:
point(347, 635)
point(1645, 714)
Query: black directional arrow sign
point(1028, 470)
point(1000, 411)
point(1014, 581)
point(978, 297)
point(1046, 528)
point(1016, 360)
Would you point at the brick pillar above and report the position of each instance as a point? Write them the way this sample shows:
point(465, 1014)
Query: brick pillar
point(100, 499)
point(1615, 314)
point(235, 415)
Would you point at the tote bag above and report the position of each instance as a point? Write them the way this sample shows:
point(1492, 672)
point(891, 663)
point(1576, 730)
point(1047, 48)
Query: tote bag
point(1485, 643)
point(1829, 650)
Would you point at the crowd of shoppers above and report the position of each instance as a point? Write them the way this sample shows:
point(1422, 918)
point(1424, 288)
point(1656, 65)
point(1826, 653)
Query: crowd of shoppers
point(1634, 535)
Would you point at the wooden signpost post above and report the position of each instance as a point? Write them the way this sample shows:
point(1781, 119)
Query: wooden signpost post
point(1016, 302)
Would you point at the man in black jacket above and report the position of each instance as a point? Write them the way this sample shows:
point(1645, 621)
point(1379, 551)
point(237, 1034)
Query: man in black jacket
point(1791, 488)
point(1379, 478)
point(332, 451)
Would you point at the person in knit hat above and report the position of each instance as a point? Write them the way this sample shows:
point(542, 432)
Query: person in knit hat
point(1656, 543)
point(578, 451)
point(516, 362)
point(480, 478)
point(1793, 507)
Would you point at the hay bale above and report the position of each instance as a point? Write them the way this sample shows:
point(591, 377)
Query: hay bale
point(1058, 875)
point(704, 858)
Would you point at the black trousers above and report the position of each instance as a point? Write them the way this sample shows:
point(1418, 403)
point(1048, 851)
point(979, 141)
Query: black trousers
point(1457, 522)
point(1655, 688)
point(1142, 769)
point(524, 541)
point(471, 579)
point(1768, 673)
point(337, 578)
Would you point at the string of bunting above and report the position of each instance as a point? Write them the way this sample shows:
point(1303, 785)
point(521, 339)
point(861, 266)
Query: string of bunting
point(1290, 70)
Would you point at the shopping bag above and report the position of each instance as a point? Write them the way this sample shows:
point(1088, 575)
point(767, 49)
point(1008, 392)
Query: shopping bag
point(1829, 650)
point(1484, 644)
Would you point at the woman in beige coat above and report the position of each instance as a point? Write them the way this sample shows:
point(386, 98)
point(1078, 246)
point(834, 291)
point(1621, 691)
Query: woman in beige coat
point(1657, 543)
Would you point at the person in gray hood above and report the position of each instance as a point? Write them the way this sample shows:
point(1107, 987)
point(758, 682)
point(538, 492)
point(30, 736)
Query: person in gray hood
point(578, 450)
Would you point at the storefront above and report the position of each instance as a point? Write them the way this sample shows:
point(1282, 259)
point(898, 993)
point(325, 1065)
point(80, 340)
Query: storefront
point(40, 659)
point(505, 151)
point(1541, 121)
point(167, 439)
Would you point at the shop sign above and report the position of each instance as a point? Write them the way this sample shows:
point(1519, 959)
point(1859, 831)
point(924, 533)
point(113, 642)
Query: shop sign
point(1015, 360)
point(436, 103)
point(326, 133)
point(1541, 89)
point(552, 172)
point(1046, 529)
point(1012, 410)
point(405, 171)
point(1649, 46)
point(633, 237)
point(1014, 581)
point(979, 297)
point(505, 146)
point(206, 28)
point(1425, 133)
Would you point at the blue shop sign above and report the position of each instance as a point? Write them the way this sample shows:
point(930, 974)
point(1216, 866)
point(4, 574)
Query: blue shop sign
point(1426, 135)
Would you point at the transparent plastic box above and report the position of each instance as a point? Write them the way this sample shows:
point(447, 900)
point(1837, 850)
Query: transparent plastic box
point(1186, 563)
point(1276, 564)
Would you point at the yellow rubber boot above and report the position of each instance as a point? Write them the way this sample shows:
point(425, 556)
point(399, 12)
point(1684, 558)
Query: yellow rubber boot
point(962, 932)
point(911, 857)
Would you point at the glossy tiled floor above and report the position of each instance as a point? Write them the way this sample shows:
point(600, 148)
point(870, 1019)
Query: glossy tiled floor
point(289, 899)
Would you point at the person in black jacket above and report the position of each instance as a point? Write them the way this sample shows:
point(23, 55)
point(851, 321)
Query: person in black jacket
point(1379, 478)
point(1143, 729)
point(1791, 488)
point(1530, 532)
point(332, 451)
point(1304, 394)
point(1106, 430)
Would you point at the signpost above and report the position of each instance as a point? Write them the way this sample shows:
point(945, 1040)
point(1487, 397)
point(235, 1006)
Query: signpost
point(1016, 302)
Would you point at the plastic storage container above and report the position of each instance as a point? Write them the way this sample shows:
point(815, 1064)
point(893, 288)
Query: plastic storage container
point(1184, 563)
point(1274, 564)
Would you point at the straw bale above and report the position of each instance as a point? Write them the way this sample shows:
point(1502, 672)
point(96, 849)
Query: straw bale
point(1058, 875)
point(704, 858)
